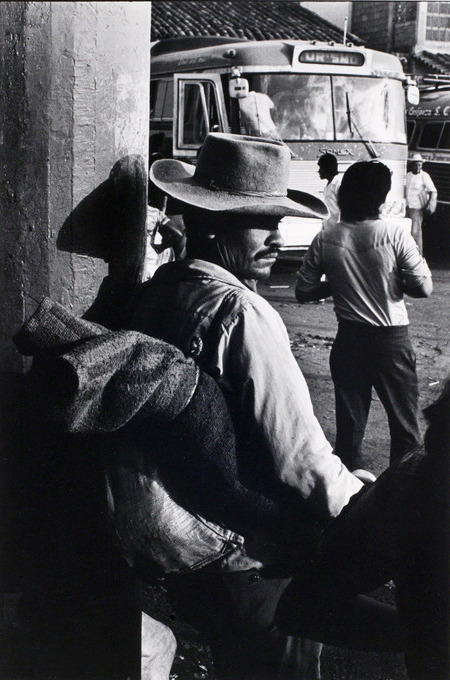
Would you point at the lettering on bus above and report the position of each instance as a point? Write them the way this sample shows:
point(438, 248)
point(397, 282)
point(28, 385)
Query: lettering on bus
point(439, 111)
point(331, 57)
point(336, 152)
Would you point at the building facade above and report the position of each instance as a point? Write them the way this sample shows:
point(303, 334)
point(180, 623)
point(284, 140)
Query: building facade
point(418, 31)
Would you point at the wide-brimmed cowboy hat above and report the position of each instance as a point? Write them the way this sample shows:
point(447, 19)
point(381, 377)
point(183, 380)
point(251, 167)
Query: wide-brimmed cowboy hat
point(236, 173)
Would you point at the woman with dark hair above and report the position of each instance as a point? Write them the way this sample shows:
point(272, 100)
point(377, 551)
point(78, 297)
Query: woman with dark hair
point(370, 263)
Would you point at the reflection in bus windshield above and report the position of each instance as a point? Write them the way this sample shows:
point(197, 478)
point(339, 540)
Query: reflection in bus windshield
point(301, 107)
point(376, 105)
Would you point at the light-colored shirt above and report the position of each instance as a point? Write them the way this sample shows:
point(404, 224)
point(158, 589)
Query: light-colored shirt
point(330, 196)
point(256, 117)
point(239, 339)
point(418, 189)
point(366, 264)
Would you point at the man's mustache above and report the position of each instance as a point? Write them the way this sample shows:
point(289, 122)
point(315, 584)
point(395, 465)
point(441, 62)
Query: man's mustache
point(273, 251)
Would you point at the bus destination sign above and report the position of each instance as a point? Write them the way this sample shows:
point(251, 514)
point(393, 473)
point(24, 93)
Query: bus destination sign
point(340, 58)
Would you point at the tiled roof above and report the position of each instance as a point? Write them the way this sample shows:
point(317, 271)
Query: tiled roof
point(436, 63)
point(251, 19)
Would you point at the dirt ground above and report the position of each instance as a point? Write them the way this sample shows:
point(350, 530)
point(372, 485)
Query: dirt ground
point(311, 329)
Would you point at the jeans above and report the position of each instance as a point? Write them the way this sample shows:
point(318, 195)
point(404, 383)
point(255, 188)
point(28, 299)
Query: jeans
point(362, 357)
point(235, 612)
point(416, 215)
point(396, 529)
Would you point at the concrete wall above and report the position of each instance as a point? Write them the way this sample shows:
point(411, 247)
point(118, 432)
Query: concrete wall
point(74, 99)
point(74, 102)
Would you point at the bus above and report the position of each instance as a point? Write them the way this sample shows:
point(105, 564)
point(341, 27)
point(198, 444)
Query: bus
point(428, 125)
point(316, 97)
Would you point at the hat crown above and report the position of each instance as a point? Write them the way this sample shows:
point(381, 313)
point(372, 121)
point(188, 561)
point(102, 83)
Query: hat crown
point(416, 157)
point(243, 165)
point(240, 174)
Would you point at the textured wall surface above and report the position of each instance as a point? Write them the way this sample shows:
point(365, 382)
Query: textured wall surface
point(74, 99)
point(370, 20)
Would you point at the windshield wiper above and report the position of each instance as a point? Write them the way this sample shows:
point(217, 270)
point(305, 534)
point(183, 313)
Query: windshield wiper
point(352, 124)
point(349, 114)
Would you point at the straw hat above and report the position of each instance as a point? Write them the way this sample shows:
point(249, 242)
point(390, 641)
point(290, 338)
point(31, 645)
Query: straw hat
point(240, 174)
point(415, 156)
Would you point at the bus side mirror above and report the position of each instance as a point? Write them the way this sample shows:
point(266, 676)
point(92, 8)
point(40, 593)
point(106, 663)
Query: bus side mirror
point(238, 87)
point(412, 94)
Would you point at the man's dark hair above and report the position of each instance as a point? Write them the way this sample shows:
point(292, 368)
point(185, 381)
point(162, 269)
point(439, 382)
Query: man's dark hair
point(363, 190)
point(199, 223)
point(328, 162)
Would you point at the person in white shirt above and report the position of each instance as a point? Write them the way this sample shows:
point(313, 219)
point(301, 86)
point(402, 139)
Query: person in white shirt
point(328, 169)
point(421, 197)
point(370, 263)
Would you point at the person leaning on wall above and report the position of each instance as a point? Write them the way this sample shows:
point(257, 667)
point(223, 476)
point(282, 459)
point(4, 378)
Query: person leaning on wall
point(343, 538)
point(421, 197)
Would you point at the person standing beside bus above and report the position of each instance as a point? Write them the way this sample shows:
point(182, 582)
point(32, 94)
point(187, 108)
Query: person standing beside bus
point(328, 169)
point(370, 263)
point(421, 197)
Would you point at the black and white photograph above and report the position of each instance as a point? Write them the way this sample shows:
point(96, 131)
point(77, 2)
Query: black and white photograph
point(225, 340)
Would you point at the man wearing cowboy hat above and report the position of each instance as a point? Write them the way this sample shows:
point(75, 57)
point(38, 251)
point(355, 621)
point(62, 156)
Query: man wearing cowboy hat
point(208, 307)
point(421, 196)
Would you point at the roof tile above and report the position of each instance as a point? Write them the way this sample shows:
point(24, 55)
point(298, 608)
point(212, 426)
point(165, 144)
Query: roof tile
point(437, 63)
point(251, 19)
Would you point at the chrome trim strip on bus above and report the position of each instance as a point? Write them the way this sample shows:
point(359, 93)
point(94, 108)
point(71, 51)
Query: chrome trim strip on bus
point(283, 68)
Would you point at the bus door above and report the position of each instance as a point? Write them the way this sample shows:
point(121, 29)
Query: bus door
point(199, 108)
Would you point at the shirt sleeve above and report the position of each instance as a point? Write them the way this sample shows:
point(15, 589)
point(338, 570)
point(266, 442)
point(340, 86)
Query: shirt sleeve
point(311, 271)
point(429, 184)
point(258, 368)
point(412, 266)
point(333, 207)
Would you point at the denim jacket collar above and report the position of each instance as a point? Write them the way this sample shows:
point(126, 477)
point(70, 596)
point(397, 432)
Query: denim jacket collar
point(194, 269)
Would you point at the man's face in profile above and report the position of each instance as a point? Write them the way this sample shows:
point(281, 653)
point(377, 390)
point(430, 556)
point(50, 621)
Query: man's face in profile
point(322, 171)
point(249, 245)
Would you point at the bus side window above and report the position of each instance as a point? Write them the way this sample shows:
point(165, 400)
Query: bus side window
point(444, 142)
point(161, 98)
point(200, 112)
point(430, 136)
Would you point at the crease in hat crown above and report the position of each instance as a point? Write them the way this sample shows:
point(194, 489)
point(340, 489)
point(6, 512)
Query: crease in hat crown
point(247, 165)
point(237, 173)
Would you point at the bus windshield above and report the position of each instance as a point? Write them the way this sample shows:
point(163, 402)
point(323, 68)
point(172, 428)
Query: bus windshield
point(369, 107)
point(321, 107)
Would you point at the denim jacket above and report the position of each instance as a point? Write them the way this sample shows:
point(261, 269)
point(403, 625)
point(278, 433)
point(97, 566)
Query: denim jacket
point(241, 341)
point(90, 381)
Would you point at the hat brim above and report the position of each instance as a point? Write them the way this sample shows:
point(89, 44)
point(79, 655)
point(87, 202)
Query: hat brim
point(176, 179)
